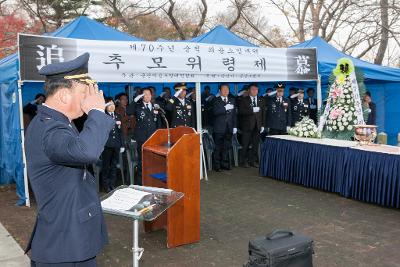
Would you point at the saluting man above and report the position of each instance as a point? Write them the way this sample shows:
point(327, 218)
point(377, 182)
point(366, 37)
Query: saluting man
point(148, 120)
point(299, 107)
point(70, 228)
point(278, 113)
point(181, 109)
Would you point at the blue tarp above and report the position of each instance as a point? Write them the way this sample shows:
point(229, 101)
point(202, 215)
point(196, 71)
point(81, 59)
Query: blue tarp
point(383, 82)
point(221, 35)
point(10, 139)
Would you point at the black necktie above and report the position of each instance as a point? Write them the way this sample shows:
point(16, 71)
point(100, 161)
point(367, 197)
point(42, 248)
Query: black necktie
point(254, 102)
point(226, 100)
point(148, 106)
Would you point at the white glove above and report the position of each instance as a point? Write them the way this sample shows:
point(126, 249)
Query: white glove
point(287, 128)
point(262, 129)
point(294, 96)
point(138, 98)
point(122, 150)
point(256, 109)
point(228, 107)
point(234, 130)
point(177, 93)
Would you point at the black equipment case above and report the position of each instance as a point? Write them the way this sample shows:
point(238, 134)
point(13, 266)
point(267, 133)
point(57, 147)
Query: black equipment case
point(281, 248)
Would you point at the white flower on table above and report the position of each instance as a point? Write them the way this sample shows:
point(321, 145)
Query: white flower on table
point(341, 128)
point(350, 127)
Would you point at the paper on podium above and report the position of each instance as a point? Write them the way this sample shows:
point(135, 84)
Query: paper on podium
point(123, 199)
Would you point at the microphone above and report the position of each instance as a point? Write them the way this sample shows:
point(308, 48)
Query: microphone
point(157, 107)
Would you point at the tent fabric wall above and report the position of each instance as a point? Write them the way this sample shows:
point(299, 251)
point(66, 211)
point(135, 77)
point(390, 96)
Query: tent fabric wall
point(383, 82)
point(11, 167)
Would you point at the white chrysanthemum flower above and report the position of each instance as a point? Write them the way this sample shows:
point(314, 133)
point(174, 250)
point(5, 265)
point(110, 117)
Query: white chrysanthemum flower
point(350, 127)
point(345, 90)
point(312, 133)
point(334, 127)
point(339, 123)
point(301, 134)
point(345, 123)
point(341, 128)
point(306, 134)
point(334, 122)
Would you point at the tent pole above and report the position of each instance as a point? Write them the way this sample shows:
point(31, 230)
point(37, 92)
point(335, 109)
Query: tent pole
point(203, 171)
point(319, 95)
point(21, 122)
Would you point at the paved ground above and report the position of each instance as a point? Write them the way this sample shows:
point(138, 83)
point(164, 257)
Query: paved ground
point(11, 254)
point(239, 205)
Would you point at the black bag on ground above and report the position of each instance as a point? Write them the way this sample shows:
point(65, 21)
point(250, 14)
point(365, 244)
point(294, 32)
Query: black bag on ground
point(281, 248)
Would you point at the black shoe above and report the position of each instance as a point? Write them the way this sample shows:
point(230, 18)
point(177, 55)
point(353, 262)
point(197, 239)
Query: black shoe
point(255, 165)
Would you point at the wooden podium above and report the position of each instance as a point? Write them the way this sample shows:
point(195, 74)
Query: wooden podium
point(181, 164)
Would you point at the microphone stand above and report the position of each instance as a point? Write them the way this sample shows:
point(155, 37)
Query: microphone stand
point(168, 130)
point(162, 112)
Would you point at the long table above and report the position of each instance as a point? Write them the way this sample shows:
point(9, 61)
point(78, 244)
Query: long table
point(366, 173)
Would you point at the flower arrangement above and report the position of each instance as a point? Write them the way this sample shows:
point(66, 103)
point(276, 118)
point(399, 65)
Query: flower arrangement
point(305, 128)
point(342, 116)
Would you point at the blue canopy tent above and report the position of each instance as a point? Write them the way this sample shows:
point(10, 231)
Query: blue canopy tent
point(11, 161)
point(383, 83)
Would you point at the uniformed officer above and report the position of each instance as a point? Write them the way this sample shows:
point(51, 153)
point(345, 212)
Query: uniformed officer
point(224, 113)
point(299, 107)
point(278, 113)
point(251, 121)
point(70, 228)
point(312, 101)
point(148, 120)
point(181, 109)
point(114, 146)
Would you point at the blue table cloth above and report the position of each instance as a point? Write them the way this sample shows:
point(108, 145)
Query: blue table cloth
point(367, 176)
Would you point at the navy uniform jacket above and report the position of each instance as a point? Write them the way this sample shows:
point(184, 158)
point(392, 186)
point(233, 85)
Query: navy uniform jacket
point(224, 120)
point(299, 110)
point(147, 122)
point(115, 138)
point(181, 115)
point(70, 225)
point(248, 120)
point(278, 117)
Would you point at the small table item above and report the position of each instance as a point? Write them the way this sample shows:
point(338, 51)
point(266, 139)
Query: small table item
point(141, 203)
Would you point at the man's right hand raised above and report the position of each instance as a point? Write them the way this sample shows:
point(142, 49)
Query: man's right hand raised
point(93, 100)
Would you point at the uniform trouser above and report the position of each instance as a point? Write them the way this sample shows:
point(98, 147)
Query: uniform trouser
point(87, 263)
point(276, 132)
point(109, 158)
point(250, 138)
point(223, 144)
point(138, 177)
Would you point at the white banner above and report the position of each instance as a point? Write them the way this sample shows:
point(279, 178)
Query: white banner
point(124, 61)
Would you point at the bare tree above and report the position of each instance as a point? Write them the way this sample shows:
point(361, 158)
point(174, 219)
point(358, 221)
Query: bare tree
point(179, 24)
point(53, 14)
point(127, 12)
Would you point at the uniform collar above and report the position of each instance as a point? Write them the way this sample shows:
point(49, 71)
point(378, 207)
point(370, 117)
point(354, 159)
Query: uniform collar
point(47, 111)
